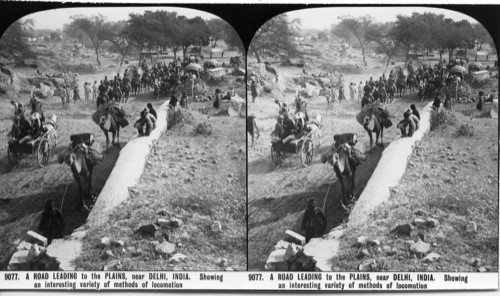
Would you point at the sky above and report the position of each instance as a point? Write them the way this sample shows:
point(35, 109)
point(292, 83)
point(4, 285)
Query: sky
point(322, 18)
point(56, 18)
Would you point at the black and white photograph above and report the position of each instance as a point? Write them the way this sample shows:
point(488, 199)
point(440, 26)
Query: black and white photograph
point(123, 145)
point(374, 143)
point(369, 163)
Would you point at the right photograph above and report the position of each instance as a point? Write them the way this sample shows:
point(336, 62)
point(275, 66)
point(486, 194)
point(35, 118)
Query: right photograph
point(373, 139)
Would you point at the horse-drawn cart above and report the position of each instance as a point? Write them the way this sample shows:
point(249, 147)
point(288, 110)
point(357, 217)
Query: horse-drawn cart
point(39, 147)
point(304, 147)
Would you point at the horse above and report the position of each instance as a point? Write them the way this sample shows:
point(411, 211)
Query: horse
point(146, 81)
point(253, 129)
point(82, 164)
point(411, 83)
point(391, 90)
point(344, 163)
point(109, 124)
point(126, 88)
point(136, 85)
point(115, 94)
point(401, 86)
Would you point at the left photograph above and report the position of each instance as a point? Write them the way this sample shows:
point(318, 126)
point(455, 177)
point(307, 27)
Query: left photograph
point(122, 143)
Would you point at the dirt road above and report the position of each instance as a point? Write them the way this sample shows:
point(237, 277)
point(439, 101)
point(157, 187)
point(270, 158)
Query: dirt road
point(277, 195)
point(24, 188)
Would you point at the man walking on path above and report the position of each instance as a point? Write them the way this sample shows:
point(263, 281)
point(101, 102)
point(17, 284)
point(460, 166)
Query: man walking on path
point(254, 91)
point(360, 91)
point(352, 89)
point(94, 90)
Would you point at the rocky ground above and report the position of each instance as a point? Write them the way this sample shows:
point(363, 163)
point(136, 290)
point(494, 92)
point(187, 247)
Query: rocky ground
point(193, 194)
point(25, 188)
point(448, 195)
point(277, 195)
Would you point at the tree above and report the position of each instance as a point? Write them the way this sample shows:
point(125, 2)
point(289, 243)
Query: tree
point(54, 36)
point(217, 28)
point(74, 33)
point(385, 37)
point(14, 38)
point(138, 32)
point(94, 27)
point(120, 41)
point(193, 31)
point(358, 28)
point(481, 35)
point(322, 35)
point(274, 38)
point(342, 33)
point(408, 33)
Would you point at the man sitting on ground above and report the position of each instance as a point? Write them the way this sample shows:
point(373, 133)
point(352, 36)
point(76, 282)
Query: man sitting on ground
point(314, 221)
point(152, 111)
point(52, 222)
point(411, 122)
point(148, 121)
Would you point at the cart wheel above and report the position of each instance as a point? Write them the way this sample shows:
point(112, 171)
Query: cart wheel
point(43, 152)
point(14, 157)
point(276, 156)
point(306, 152)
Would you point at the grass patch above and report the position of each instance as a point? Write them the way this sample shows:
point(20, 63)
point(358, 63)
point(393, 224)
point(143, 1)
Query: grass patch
point(203, 128)
point(465, 130)
point(442, 119)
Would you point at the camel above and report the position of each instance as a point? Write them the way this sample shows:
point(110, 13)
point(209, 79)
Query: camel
point(109, 124)
point(372, 124)
point(82, 163)
point(344, 164)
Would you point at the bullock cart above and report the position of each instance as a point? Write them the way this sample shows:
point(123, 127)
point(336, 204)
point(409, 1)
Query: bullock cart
point(304, 147)
point(39, 147)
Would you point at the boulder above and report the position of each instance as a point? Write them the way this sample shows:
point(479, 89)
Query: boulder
point(165, 248)
point(373, 242)
point(222, 262)
point(19, 261)
point(276, 261)
point(432, 222)
point(432, 257)
point(112, 265)
point(403, 229)
point(58, 82)
point(23, 246)
point(293, 237)
point(163, 222)
point(471, 227)
point(37, 238)
point(118, 243)
point(178, 257)
point(420, 212)
point(216, 227)
point(367, 265)
point(148, 229)
point(420, 247)
point(33, 253)
point(105, 242)
point(363, 253)
point(361, 241)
